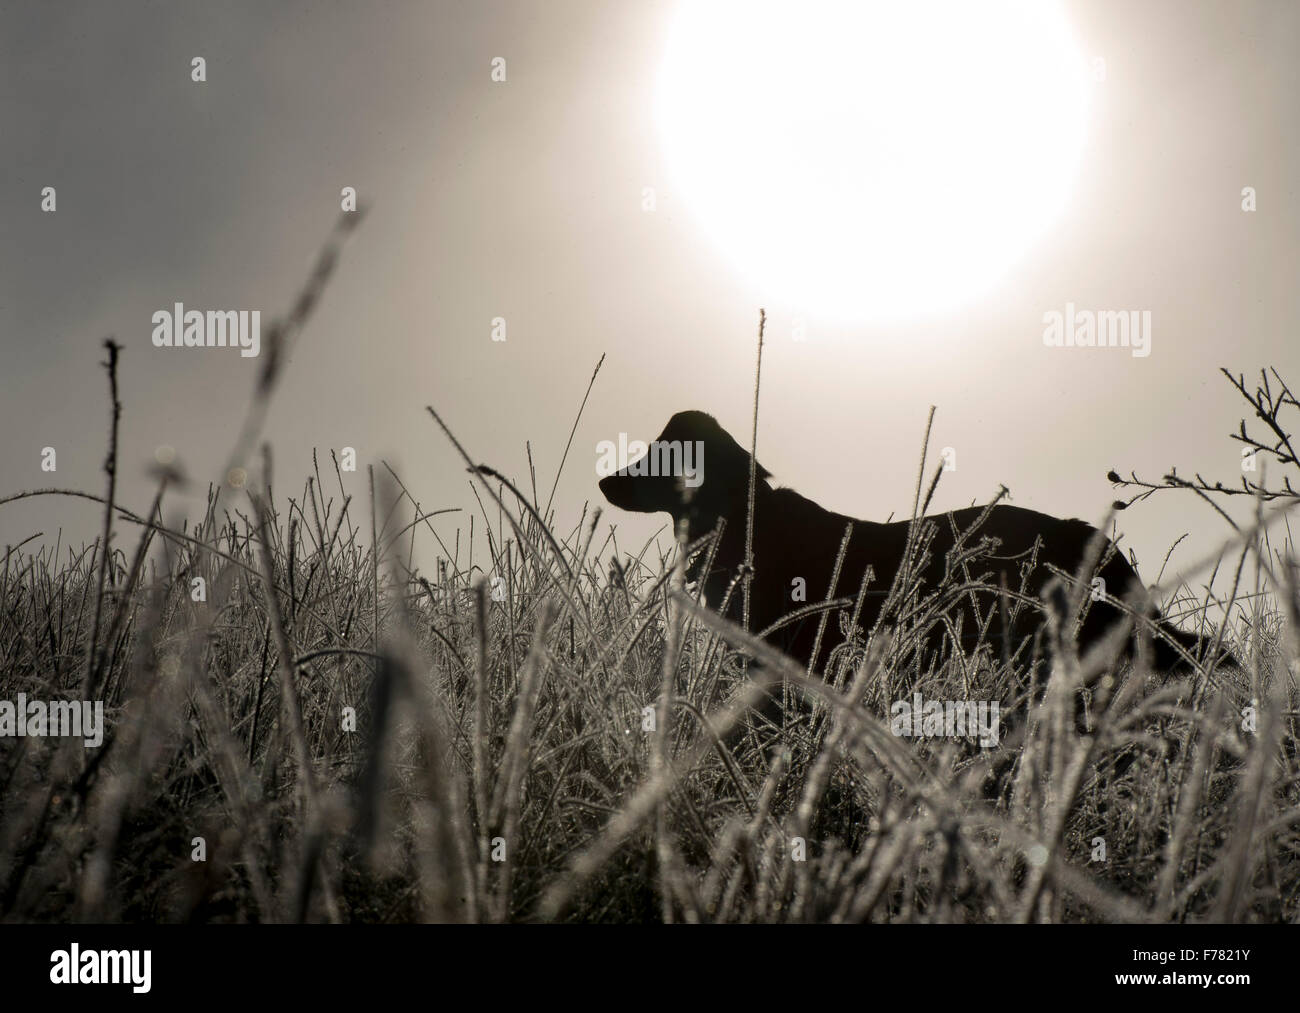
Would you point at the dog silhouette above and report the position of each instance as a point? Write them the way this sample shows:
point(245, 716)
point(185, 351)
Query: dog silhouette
point(948, 574)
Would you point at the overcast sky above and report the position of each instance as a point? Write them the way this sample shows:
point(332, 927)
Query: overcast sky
point(522, 199)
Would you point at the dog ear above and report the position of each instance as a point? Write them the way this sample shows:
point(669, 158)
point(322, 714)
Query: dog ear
point(722, 453)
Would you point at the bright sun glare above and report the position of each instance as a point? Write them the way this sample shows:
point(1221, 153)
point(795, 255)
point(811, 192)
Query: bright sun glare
point(868, 160)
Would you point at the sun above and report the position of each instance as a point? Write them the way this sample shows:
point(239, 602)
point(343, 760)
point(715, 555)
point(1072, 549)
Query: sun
point(868, 160)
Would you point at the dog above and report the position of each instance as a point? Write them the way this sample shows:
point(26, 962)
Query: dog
point(1000, 557)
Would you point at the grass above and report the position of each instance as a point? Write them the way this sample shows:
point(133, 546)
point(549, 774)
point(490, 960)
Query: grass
point(564, 736)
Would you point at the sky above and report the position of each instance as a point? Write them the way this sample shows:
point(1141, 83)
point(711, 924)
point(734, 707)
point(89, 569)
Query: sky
point(525, 199)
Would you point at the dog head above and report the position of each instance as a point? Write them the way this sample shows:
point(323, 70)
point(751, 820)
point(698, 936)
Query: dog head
point(692, 470)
